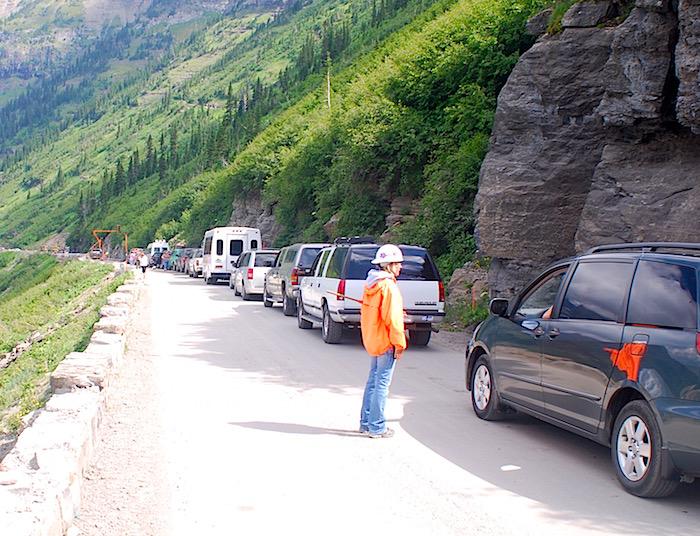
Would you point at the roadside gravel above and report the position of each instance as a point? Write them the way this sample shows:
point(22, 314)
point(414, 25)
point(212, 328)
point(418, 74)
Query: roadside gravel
point(125, 489)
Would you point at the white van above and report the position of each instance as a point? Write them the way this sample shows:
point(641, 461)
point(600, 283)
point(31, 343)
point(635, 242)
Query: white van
point(159, 246)
point(222, 247)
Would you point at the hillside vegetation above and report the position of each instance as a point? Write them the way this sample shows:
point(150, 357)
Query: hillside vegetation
point(240, 108)
point(54, 303)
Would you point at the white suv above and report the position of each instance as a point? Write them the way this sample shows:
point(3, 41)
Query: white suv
point(333, 294)
point(248, 278)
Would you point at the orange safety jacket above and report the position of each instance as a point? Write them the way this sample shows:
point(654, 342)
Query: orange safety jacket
point(381, 315)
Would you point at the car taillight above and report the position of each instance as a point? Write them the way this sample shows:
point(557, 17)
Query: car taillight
point(250, 273)
point(697, 342)
point(441, 291)
point(341, 290)
point(295, 276)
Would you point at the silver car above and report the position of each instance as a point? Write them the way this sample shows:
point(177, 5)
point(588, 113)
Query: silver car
point(248, 278)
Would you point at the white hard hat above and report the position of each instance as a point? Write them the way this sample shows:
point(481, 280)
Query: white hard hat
point(388, 253)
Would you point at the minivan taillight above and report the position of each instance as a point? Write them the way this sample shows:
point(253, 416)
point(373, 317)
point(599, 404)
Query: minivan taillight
point(341, 290)
point(441, 291)
point(295, 276)
point(697, 342)
point(250, 273)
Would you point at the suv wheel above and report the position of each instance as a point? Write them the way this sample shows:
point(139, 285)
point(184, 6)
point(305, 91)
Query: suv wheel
point(636, 452)
point(484, 395)
point(419, 338)
point(288, 305)
point(266, 299)
point(302, 322)
point(331, 331)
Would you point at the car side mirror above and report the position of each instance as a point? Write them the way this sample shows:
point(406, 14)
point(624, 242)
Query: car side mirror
point(498, 307)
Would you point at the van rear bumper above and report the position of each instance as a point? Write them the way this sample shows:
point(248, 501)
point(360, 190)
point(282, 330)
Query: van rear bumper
point(220, 275)
point(352, 316)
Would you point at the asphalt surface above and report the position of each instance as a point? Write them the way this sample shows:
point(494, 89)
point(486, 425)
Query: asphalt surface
point(257, 423)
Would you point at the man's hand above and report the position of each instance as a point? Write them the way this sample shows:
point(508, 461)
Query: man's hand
point(398, 352)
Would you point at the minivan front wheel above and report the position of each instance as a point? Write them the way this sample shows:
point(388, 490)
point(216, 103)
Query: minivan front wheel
point(485, 399)
point(636, 452)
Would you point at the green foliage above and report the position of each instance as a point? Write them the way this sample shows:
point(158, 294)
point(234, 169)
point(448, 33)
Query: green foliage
point(54, 303)
point(19, 272)
point(465, 315)
point(559, 9)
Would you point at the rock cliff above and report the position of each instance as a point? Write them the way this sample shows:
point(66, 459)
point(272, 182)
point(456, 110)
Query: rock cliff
point(596, 138)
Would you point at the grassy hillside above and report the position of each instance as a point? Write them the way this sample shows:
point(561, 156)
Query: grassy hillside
point(59, 300)
point(239, 107)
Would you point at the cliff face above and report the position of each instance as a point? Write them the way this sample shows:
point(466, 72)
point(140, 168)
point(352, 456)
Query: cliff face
point(596, 139)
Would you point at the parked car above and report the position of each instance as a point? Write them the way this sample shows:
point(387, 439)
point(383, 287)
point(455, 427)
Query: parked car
point(333, 294)
point(606, 345)
point(95, 253)
point(194, 264)
point(248, 278)
point(282, 281)
point(222, 247)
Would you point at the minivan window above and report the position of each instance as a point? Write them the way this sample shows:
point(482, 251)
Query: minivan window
point(664, 295)
point(219, 247)
point(335, 266)
point(417, 265)
point(235, 247)
point(597, 291)
point(307, 257)
point(541, 298)
point(265, 260)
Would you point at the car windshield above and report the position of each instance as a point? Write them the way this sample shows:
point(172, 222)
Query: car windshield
point(417, 264)
point(265, 260)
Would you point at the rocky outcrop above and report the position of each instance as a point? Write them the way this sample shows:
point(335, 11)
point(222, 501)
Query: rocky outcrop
point(593, 139)
point(252, 211)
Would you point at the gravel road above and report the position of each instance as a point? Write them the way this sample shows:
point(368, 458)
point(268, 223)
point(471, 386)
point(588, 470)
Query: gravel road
point(228, 419)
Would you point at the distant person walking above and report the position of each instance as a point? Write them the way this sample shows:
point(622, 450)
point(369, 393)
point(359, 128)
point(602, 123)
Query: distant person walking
point(143, 263)
point(383, 336)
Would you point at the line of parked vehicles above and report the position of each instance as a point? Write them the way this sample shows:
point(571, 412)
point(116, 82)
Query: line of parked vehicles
point(605, 345)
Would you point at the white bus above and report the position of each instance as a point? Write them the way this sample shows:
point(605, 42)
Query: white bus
point(222, 247)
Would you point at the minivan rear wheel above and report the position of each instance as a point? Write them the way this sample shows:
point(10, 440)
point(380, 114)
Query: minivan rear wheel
point(636, 452)
point(331, 331)
point(484, 395)
point(288, 305)
point(419, 338)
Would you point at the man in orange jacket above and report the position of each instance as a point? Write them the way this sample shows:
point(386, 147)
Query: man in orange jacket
point(383, 336)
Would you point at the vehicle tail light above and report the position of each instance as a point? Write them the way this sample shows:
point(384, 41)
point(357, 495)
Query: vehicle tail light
point(341, 290)
point(250, 273)
point(697, 342)
point(441, 291)
point(295, 276)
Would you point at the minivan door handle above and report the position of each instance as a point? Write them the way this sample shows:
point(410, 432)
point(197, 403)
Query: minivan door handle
point(553, 333)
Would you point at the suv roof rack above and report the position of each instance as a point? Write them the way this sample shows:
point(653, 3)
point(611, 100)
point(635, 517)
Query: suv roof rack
point(646, 247)
point(347, 240)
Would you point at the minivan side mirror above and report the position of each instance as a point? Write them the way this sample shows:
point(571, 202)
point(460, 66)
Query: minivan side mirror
point(498, 307)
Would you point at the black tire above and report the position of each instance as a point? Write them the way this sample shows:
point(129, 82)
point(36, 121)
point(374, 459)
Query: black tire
point(651, 482)
point(235, 290)
point(484, 395)
point(331, 331)
point(266, 299)
point(289, 307)
point(302, 322)
point(208, 280)
point(419, 338)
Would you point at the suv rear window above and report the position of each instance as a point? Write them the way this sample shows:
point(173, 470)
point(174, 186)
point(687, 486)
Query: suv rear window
point(307, 257)
point(664, 295)
point(597, 291)
point(417, 265)
point(265, 260)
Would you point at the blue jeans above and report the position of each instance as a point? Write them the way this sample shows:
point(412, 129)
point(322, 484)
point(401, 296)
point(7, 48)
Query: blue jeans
point(376, 392)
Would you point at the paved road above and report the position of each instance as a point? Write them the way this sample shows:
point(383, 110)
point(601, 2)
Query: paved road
point(257, 436)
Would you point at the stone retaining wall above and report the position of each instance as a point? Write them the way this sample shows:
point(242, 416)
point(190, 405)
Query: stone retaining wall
point(41, 477)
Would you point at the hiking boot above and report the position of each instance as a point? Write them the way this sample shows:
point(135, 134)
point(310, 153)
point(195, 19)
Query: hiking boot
point(386, 433)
